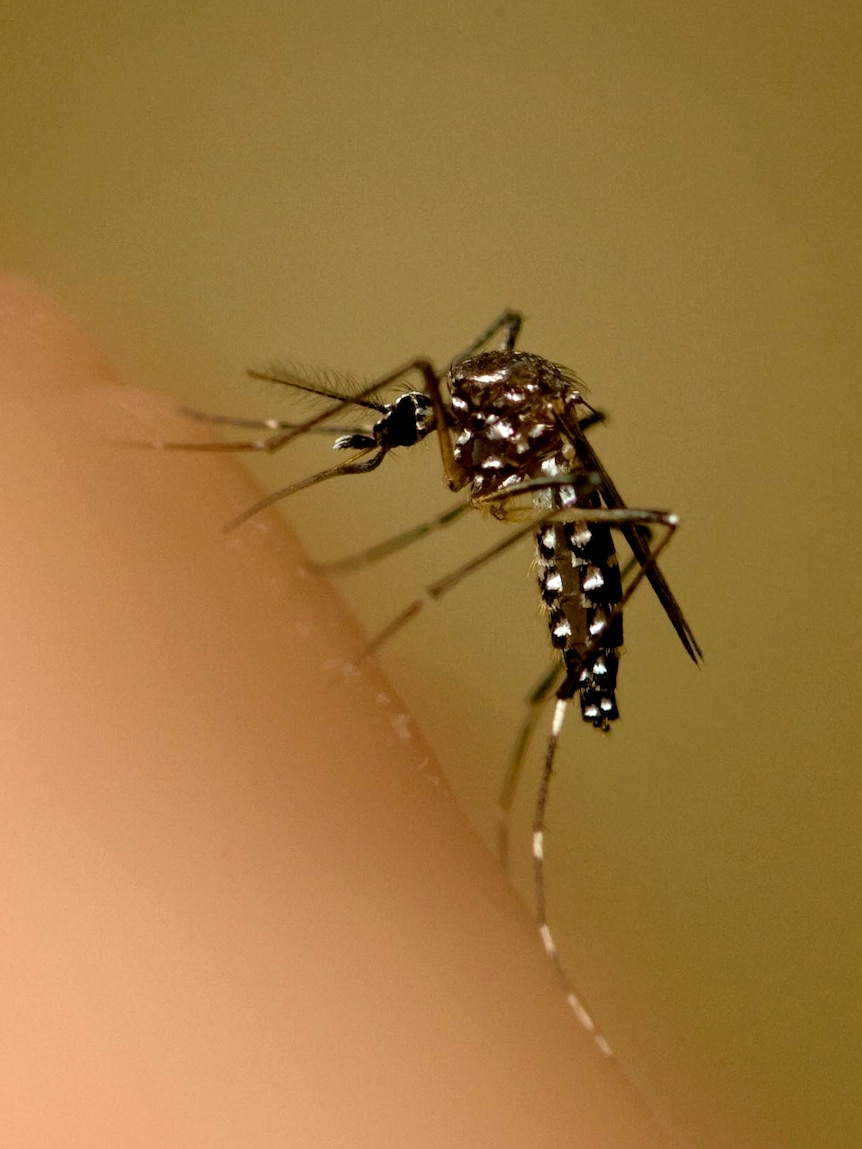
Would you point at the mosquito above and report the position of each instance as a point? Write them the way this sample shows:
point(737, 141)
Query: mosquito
point(511, 428)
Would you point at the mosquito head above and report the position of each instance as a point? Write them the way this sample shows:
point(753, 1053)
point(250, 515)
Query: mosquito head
point(407, 421)
point(403, 423)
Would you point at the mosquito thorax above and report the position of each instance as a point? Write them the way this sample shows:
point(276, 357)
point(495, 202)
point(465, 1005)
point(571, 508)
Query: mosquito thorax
point(501, 379)
point(505, 406)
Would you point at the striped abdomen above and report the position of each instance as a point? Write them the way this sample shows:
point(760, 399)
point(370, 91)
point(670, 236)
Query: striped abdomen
point(579, 579)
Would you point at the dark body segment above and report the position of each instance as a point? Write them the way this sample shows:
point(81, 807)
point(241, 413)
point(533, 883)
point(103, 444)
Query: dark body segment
point(516, 419)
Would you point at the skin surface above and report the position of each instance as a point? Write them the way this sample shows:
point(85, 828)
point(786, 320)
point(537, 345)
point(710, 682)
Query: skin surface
point(239, 905)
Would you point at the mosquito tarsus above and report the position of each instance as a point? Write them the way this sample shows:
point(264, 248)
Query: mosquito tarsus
point(511, 429)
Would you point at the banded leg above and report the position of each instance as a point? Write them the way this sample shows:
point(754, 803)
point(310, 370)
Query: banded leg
point(577, 1006)
point(565, 693)
point(544, 689)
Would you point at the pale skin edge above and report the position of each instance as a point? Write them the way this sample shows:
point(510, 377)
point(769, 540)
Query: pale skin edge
point(239, 910)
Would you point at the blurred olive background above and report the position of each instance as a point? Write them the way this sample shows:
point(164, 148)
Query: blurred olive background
point(670, 193)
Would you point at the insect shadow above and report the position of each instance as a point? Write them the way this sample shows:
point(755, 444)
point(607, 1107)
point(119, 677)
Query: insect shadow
point(511, 428)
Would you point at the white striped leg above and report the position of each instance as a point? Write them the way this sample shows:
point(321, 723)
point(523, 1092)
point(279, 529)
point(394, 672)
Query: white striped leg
point(578, 1008)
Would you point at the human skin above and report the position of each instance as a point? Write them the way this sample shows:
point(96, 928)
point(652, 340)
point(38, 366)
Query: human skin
point(239, 907)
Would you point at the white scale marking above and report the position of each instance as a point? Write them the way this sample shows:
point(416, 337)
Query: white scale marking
point(602, 1045)
point(559, 717)
point(500, 429)
point(548, 941)
point(401, 726)
point(539, 845)
point(491, 376)
point(581, 1014)
point(553, 581)
point(589, 1025)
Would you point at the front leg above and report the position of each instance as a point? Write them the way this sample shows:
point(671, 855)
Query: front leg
point(509, 323)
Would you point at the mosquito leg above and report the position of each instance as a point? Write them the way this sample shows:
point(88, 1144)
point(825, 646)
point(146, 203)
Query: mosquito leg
point(215, 445)
point(634, 526)
point(539, 824)
point(580, 481)
point(578, 1008)
point(230, 421)
point(261, 424)
point(509, 323)
point(351, 468)
point(392, 545)
point(539, 695)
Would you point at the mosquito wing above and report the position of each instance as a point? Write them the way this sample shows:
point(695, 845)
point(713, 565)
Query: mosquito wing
point(638, 539)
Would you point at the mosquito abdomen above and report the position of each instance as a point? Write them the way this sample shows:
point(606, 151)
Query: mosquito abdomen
point(580, 585)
